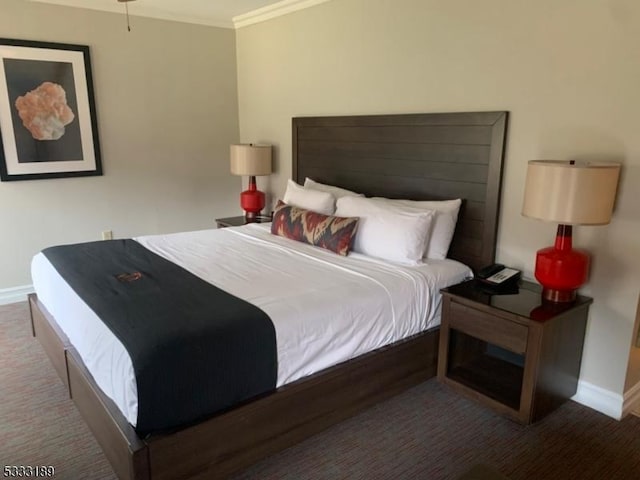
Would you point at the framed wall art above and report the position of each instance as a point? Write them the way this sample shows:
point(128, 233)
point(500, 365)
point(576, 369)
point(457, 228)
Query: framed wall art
point(48, 125)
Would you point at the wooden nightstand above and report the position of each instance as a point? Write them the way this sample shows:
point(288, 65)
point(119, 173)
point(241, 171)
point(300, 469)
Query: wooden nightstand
point(513, 353)
point(240, 220)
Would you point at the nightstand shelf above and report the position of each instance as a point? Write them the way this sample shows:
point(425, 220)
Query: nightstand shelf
point(240, 220)
point(492, 377)
point(512, 353)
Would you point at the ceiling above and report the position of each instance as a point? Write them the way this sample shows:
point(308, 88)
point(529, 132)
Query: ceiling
point(219, 13)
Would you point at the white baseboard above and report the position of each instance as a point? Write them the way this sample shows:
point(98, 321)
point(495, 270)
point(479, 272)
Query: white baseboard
point(604, 401)
point(15, 294)
point(631, 400)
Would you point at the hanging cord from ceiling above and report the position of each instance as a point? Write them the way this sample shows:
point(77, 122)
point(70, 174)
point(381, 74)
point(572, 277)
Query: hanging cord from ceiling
point(126, 9)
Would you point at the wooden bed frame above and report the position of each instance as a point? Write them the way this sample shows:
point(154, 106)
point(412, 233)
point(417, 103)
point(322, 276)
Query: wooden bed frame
point(417, 156)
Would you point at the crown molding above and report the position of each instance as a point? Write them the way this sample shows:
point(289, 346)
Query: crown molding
point(275, 10)
point(278, 9)
point(141, 10)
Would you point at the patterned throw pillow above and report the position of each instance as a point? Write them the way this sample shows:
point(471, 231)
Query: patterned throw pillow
point(333, 233)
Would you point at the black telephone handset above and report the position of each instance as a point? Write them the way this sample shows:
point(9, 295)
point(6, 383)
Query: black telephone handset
point(498, 277)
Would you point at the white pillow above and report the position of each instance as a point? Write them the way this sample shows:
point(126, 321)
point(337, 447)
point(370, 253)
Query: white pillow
point(443, 226)
point(386, 233)
point(314, 200)
point(337, 192)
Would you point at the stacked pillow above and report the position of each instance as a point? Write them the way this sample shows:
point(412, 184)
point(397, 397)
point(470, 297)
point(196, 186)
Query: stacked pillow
point(315, 196)
point(310, 199)
point(386, 233)
point(404, 231)
point(444, 225)
point(337, 192)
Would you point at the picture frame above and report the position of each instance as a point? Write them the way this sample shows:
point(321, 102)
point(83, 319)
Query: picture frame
point(48, 126)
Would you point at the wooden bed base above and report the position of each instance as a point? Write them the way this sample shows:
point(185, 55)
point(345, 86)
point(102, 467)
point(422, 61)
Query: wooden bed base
point(245, 434)
point(414, 156)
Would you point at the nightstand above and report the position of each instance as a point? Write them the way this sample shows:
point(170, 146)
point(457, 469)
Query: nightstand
point(513, 353)
point(240, 220)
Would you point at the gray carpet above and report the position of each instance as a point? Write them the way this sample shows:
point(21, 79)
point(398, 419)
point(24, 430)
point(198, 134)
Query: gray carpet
point(426, 433)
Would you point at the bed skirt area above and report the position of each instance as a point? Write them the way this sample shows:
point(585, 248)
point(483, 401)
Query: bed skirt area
point(252, 430)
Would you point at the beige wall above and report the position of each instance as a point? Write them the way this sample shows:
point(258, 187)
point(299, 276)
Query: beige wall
point(166, 98)
point(567, 70)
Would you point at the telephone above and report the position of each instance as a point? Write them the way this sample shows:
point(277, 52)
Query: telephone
point(498, 277)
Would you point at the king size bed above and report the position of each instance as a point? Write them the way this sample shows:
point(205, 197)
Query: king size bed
point(373, 352)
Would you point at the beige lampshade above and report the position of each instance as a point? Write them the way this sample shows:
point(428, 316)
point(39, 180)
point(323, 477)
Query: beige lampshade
point(570, 192)
point(249, 159)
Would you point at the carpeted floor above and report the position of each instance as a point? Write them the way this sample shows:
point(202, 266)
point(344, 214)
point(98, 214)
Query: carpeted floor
point(425, 433)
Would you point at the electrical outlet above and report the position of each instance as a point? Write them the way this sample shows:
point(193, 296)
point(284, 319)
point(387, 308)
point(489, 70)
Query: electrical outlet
point(107, 235)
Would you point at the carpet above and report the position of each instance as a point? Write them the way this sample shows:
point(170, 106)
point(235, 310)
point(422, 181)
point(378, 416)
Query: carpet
point(427, 432)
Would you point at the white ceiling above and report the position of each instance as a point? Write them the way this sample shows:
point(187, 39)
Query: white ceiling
point(219, 13)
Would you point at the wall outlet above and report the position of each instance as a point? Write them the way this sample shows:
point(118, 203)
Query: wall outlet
point(107, 235)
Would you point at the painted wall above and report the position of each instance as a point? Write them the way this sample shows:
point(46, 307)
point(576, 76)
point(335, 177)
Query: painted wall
point(568, 72)
point(166, 99)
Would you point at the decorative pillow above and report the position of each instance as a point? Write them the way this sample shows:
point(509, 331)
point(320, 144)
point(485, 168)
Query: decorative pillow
point(324, 231)
point(337, 192)
point(386, 233)
point(314, 200)
point(444, 224)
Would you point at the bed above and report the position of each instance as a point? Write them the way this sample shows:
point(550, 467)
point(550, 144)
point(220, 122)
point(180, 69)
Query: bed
point(417, 156)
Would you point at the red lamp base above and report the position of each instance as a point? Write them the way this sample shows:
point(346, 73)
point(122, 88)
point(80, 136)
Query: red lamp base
point(252, 200)
point(560, 269)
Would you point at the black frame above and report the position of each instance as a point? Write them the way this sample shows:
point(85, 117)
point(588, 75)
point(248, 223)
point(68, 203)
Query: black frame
point(90, 163)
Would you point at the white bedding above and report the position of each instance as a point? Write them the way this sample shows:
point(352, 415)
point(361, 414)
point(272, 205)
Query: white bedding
point(325, 308)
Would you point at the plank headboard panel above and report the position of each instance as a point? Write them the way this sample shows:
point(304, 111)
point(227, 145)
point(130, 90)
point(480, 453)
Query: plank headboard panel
point(434, 156)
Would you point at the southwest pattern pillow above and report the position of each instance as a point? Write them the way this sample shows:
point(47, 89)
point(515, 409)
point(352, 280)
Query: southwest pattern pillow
point(324, 231)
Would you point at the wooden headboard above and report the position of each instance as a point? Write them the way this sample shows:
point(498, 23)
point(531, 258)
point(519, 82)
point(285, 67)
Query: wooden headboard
point(435, 156)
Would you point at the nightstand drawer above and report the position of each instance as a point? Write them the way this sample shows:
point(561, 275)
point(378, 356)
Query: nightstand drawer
point(491, 329)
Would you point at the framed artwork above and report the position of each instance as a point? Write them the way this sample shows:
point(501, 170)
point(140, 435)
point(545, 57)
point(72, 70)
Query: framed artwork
point(48, 125)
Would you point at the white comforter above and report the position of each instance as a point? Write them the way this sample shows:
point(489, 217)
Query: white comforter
point(325, 308)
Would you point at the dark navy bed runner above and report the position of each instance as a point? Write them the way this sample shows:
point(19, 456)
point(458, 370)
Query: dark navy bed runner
point(195, 349)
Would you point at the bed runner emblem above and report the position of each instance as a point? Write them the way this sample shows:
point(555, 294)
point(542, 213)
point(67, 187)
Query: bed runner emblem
point(129, 277)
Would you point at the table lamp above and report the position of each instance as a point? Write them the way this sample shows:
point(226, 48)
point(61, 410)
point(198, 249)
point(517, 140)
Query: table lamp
point(251, 160)
point(568, 193)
